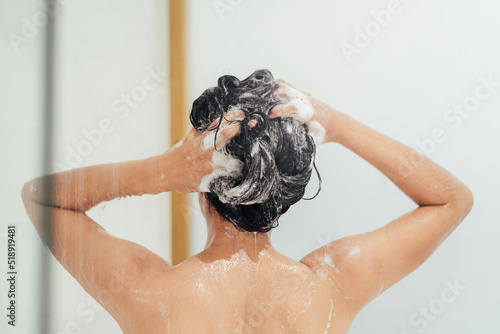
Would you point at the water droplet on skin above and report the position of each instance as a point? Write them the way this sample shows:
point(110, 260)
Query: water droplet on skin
point(329, 318)
point(142, 300)
point(355, 251)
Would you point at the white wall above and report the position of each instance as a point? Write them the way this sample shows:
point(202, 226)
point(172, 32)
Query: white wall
point(105, 50)
point(21, 153)
point(429, 57)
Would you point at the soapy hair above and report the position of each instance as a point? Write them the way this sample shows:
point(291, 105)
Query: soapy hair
point(277, 154)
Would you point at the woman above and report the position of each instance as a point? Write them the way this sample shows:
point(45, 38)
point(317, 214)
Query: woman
point(249, 157)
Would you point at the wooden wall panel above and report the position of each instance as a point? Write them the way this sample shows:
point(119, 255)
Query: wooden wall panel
point(178, 123)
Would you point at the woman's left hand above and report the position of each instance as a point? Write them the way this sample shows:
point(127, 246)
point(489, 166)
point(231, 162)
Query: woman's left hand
point(192, 156)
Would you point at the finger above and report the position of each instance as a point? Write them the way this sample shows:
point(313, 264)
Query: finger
point(252, 124)
point(281, 87)
point(227, 133)
point(284, 83)
point(283, 110)
point(214, 124)
point(291, 86)
point(233, 116)
point(229, 117)
point(286, 91)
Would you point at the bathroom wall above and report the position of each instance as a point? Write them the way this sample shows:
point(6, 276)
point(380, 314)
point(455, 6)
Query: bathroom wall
point(111, 105)
point(411, 70)
point(21, 157)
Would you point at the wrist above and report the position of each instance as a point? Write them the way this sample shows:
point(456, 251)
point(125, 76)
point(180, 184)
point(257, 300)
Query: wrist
point(162, 172)
point(331, 120)
point(340, 127)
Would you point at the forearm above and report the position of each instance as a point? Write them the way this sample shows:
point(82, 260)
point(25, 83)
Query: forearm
point(424, 181)
point(83, 188)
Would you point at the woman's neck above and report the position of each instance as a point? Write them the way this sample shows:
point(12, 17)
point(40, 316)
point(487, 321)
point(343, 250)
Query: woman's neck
point(224, 238)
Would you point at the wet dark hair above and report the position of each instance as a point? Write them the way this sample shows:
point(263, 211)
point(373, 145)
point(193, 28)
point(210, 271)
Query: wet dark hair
point(278, 154)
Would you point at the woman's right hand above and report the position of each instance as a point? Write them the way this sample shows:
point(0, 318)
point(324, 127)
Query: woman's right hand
point(193, 155)
point(328, 117)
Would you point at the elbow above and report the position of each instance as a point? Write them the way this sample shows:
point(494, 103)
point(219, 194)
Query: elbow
point(469, 200)
point(463, 202)
point(28, 192)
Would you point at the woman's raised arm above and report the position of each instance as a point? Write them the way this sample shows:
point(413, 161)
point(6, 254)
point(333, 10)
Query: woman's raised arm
point(179, 169)
point(83, 188)
point(362, 266)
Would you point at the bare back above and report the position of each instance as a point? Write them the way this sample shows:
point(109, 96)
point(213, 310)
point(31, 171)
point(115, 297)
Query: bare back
point(238, 294)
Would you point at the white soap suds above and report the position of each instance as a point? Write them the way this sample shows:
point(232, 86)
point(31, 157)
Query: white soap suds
point(239, 191)
point(235, 192)
point(223, 165)
point(328, 261)
point(354, 251)
point(308, 302)
point(208, 141)
point(163, 308)
point(255, 150)
point(227, 230)
point(316, 131)
point(304, 110)
point(304, 113)
point(179, 143)
point(329, 318)
point(247, 94)
point(322, 274)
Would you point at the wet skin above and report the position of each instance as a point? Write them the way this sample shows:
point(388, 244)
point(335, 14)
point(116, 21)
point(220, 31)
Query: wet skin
point(240, 283)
